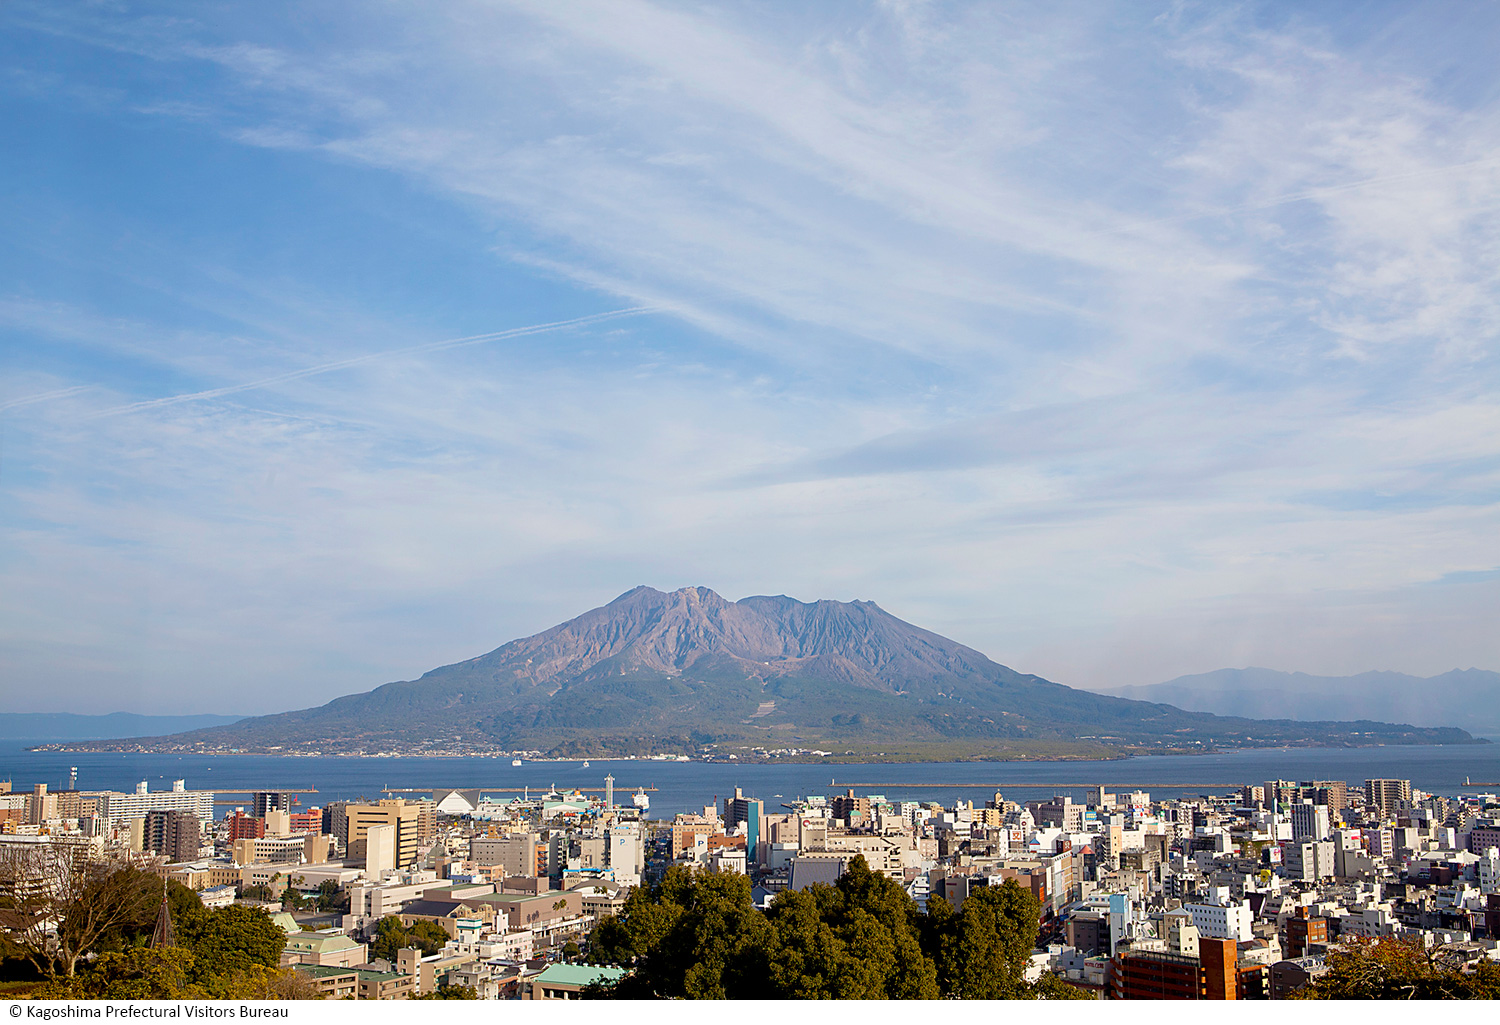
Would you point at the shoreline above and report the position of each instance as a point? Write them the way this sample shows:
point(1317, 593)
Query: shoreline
point(894, 758)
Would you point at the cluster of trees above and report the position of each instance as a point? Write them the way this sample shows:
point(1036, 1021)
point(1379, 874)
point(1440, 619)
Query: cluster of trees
point(327, 897)
point(698, 935)
point(84, 927)
point(1392, 969)
point(391, 936)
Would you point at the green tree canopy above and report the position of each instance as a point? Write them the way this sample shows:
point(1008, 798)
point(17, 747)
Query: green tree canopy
point(231, 939)
point(981, 952)
point(173, 973)
point(698, 935)
point(391, 936)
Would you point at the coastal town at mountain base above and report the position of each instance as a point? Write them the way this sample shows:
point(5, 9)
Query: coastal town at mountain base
point(1243, 894)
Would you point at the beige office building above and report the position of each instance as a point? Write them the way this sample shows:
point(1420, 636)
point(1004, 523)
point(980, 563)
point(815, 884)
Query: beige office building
point(403, 815)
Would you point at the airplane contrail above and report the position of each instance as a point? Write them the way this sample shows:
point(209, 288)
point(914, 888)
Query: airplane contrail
point(44, 396)
point(323, 368)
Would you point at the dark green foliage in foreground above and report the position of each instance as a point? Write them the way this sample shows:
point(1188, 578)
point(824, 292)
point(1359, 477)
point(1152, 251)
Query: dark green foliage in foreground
point(451, 993)
point(173, 973)
point(106, 913)
point(697, 935)
point(223, 953)
point(230, 940)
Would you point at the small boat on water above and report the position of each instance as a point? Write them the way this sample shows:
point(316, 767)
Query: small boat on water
point(585, 765)
point(515, 761)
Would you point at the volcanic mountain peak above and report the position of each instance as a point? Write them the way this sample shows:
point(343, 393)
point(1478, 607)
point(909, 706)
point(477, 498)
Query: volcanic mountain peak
point(668, 632)
point(675, 670)
point(645, 629)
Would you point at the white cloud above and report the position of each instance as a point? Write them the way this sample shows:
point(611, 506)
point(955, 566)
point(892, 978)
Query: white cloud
point(1107, 345)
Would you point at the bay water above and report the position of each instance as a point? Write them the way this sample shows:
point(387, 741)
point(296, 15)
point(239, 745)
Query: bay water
point(688, 786)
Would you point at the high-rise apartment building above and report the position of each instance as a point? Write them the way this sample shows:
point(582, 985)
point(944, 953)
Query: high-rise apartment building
point(42, 807)
point(1332, 792)
point(270, 800)
point(123, 807)
point(172, 833)
point(336, 821)
point(855, 811)
point(1281, 793)
point(1387, 795)
point(244, 827)
point(426, 821)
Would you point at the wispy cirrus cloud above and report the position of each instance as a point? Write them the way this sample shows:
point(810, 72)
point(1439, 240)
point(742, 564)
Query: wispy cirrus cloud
point(1028, 323)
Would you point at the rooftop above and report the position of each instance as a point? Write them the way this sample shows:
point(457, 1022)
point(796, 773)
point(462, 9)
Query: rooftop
point(579, 975)
point(320, 941)
point(323, 971)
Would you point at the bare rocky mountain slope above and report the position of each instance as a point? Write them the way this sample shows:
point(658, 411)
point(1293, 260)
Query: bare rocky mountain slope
point(657, 670)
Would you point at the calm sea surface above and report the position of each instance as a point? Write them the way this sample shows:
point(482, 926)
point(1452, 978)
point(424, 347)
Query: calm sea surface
point(686, 786)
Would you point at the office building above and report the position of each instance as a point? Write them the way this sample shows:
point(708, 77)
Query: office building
point(1310, 860)
point(399, 814)
point(1303, 929)
point(514, 855)
point(1310, 821)
point(751, 812)
point(379, 845)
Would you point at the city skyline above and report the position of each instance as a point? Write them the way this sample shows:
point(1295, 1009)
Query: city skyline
point(1115, 342)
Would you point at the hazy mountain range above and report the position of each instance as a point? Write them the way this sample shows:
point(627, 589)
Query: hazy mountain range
point(1467, 698)
point(68, 726)
point(669, 671)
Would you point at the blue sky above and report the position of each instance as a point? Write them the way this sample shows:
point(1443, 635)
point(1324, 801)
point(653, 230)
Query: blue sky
point(343, 340)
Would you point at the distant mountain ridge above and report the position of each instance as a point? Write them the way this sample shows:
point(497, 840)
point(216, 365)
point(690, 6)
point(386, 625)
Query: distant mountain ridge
point(657, 670)
point(1467, 698)
point(70, 726)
